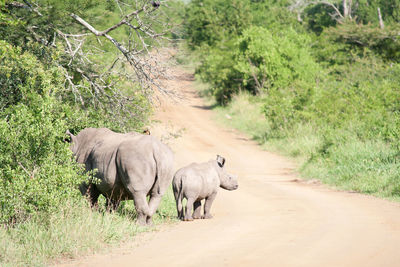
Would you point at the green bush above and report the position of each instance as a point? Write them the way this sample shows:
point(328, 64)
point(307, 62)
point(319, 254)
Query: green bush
point(366, 11)
point(260, 61)
point(217, 70)
point(359, 38)
point(208, 21)
point(362, 96)
point(38, 171)
point(329, 91)
point(22, 76)
point(275, 60)
point(42, 214)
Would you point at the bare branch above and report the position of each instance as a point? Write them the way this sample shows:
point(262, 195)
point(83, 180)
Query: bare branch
point(88, 81)
point(300, 5)
point(143, 69)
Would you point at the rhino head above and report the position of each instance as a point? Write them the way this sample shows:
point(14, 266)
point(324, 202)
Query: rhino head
point(227, 181)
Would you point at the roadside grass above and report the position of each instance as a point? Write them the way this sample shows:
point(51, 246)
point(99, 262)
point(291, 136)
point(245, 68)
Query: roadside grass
point(74, 231)
point(335, 156)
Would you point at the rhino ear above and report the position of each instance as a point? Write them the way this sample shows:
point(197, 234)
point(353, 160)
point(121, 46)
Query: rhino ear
point(71, 138)
point(221, 161)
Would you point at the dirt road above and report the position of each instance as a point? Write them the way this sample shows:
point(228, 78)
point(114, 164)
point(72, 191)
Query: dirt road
point(271, 220)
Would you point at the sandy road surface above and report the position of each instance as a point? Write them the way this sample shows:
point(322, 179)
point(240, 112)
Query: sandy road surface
point(270, 220)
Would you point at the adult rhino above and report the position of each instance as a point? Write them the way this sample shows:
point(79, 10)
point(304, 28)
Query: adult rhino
point(129, 166)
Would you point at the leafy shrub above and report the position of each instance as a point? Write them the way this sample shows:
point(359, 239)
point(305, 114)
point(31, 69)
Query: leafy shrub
point(38, 171)
point(209, 21)
point(273, 15)
point(361, 97)
point(364, 95)
point(366, 11)
point(329, 91)
point(318, 17)
point(22, 76)
point(259, 61)
point(275, 60)
point(385, 42)
point(217, 69)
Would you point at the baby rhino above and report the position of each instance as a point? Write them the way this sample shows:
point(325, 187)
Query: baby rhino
point(196, 182)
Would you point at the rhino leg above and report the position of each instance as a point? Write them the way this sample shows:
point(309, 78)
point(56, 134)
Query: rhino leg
point(154, 201)
point(112, 204)
point(207, 206)
point(179, 208)
point(90, 191)
point(141, 206)
point(188, 209)
point(197, 209)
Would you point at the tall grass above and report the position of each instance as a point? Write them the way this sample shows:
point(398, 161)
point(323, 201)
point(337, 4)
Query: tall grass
point(74, 231)
point(337, 157)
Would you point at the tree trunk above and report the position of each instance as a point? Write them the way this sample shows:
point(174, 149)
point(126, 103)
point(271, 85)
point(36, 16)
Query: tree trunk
point(381, 24)
point(345, 10)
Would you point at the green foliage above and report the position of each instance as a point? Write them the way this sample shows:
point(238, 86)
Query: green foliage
point(273, 15)
point(366, 11)
point(359, 34)
point(54, 13)
point(75, 230)
point(336, 156)
point(109, 98)
point(259, 61)
point(328, 89)
point(22, 76)
point(217, 69)
point(317, 18)
point(273, 60)
point(38, 172)
point(209, 21)
point(42, 213)
point(362, 97)
point(385, 42)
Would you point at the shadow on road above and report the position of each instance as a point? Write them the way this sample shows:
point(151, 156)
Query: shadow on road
point(205, 107)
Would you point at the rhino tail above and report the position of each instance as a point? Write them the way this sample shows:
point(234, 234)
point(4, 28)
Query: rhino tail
point(178, 194)
point(164, 168)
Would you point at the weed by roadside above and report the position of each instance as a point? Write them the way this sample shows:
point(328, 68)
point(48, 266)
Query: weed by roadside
point(73, 231)
point(335, 156)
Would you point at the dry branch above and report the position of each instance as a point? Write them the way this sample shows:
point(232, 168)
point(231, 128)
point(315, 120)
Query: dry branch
point(91, 83)
point(300, 5)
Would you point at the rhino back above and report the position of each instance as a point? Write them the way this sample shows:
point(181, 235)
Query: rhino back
point(199, 180)
point(102, 158)
point(140, 159)
point(87, 139)
point(124, 162)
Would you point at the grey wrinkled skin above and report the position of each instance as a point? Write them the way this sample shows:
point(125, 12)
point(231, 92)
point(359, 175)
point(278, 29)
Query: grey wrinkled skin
point(129, 166)
point(196, 182)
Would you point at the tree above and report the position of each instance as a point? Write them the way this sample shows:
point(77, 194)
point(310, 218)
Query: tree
point(210, 21)
point(339, 13)
point(102, 68)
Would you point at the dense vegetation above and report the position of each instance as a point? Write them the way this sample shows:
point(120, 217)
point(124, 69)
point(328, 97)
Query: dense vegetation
point(55, 75)
point(316, 79)
point(322, 77)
